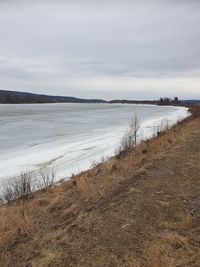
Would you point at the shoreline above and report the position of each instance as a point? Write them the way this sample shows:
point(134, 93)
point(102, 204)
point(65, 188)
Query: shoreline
point(108, 142)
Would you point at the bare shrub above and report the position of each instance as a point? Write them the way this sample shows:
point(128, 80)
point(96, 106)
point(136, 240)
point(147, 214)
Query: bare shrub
point(46, 178)
point(17, 188)
point(163, 126)
point(23, 185)
point(6, 192)
point(97, 162)
point(130, 138)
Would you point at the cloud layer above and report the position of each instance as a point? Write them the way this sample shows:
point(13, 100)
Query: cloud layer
point(109, 49)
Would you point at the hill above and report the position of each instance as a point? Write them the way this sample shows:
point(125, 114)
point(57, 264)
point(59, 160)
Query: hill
point(15, 97)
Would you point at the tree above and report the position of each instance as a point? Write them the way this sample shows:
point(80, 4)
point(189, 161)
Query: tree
point(130, 138)
point(176, 100)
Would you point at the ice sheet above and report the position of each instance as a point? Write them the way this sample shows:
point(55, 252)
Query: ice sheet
point(69, 137)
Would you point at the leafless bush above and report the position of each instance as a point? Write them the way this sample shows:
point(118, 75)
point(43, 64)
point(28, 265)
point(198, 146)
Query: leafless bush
point(130, 138)
point(163, 126)
point(94, 163)
point(6, 192)
point(98, 162)
point(17, 188)
point(23, 185)
point(46, 178)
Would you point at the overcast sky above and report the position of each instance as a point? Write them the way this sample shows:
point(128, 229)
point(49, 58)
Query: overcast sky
point(101, 48)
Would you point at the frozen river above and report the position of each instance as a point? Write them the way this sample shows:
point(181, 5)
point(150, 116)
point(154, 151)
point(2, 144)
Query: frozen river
point(69, 136)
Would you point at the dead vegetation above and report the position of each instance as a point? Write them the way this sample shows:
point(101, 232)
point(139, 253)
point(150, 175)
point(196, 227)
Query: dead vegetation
point(138, 209)
point(130, 138)
point(23, 186)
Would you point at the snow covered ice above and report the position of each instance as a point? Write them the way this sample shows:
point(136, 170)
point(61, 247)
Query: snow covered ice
point(69, 137)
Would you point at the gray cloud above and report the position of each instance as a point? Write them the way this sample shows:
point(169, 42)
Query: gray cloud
point(101, 48)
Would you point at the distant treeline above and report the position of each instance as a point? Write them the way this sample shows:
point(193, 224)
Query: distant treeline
point(169, 101)
point(162, 101)
point(125, 101)
point(15, 97)
point(191, 102)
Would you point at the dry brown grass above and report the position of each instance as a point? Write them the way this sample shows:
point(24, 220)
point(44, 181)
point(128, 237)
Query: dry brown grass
point(186, 219)
point(48, 258)
point(12, 222)
point(171, 249)
point(16, 227)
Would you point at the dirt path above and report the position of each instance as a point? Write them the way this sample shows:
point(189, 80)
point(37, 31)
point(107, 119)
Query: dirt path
point(164, 200)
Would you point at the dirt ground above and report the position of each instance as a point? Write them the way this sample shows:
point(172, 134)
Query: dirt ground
point(149, 218)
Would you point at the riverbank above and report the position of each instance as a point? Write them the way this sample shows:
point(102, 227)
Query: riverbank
point(140, 208)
